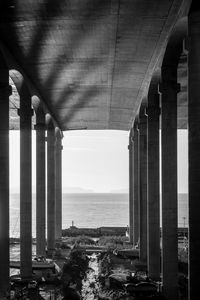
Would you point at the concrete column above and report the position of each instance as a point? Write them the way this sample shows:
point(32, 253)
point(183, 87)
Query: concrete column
point(143, 184)
point(25, 113)
point(58, 191)
point(40, 128)
point(169, 89)
point(130, 148)
point(51, 209)
point(194, 148)
point(136, 184)
point(4, 178)
point(153, 202)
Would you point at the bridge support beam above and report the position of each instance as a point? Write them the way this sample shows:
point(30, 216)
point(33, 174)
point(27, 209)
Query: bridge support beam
point(194, 149)
point(143, 184)
point(136, 183)
point(130, 148)
point(4, 178)
point(58, 187)
point(40, 128)
point(169, 89)
point(153, 204)
point(25, 113)
point(50, 189)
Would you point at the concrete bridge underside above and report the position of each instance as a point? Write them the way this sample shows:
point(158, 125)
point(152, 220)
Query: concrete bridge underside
point(91, 62)
point(103, 64)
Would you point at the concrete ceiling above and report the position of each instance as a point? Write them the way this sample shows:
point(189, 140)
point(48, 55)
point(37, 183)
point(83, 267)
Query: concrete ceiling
point(90, 61)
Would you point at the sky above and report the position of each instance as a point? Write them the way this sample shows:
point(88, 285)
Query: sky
point(95, 161)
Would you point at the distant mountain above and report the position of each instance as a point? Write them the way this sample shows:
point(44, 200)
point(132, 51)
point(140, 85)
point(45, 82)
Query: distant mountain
point(119, 191)
point(76, 190)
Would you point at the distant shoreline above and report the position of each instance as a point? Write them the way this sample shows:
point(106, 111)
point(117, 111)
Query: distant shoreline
point(96, 232)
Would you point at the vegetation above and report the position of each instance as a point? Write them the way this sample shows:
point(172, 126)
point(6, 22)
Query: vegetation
point(114, 242)
point(111, 242)
point(75, 232)
point(77, 240)
point(94, 232)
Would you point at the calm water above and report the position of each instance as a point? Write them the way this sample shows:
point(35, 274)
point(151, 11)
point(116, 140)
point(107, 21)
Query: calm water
point(91, 210)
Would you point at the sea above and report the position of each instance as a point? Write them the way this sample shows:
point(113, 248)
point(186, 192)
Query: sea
point(91, 210)
point(86, 210)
